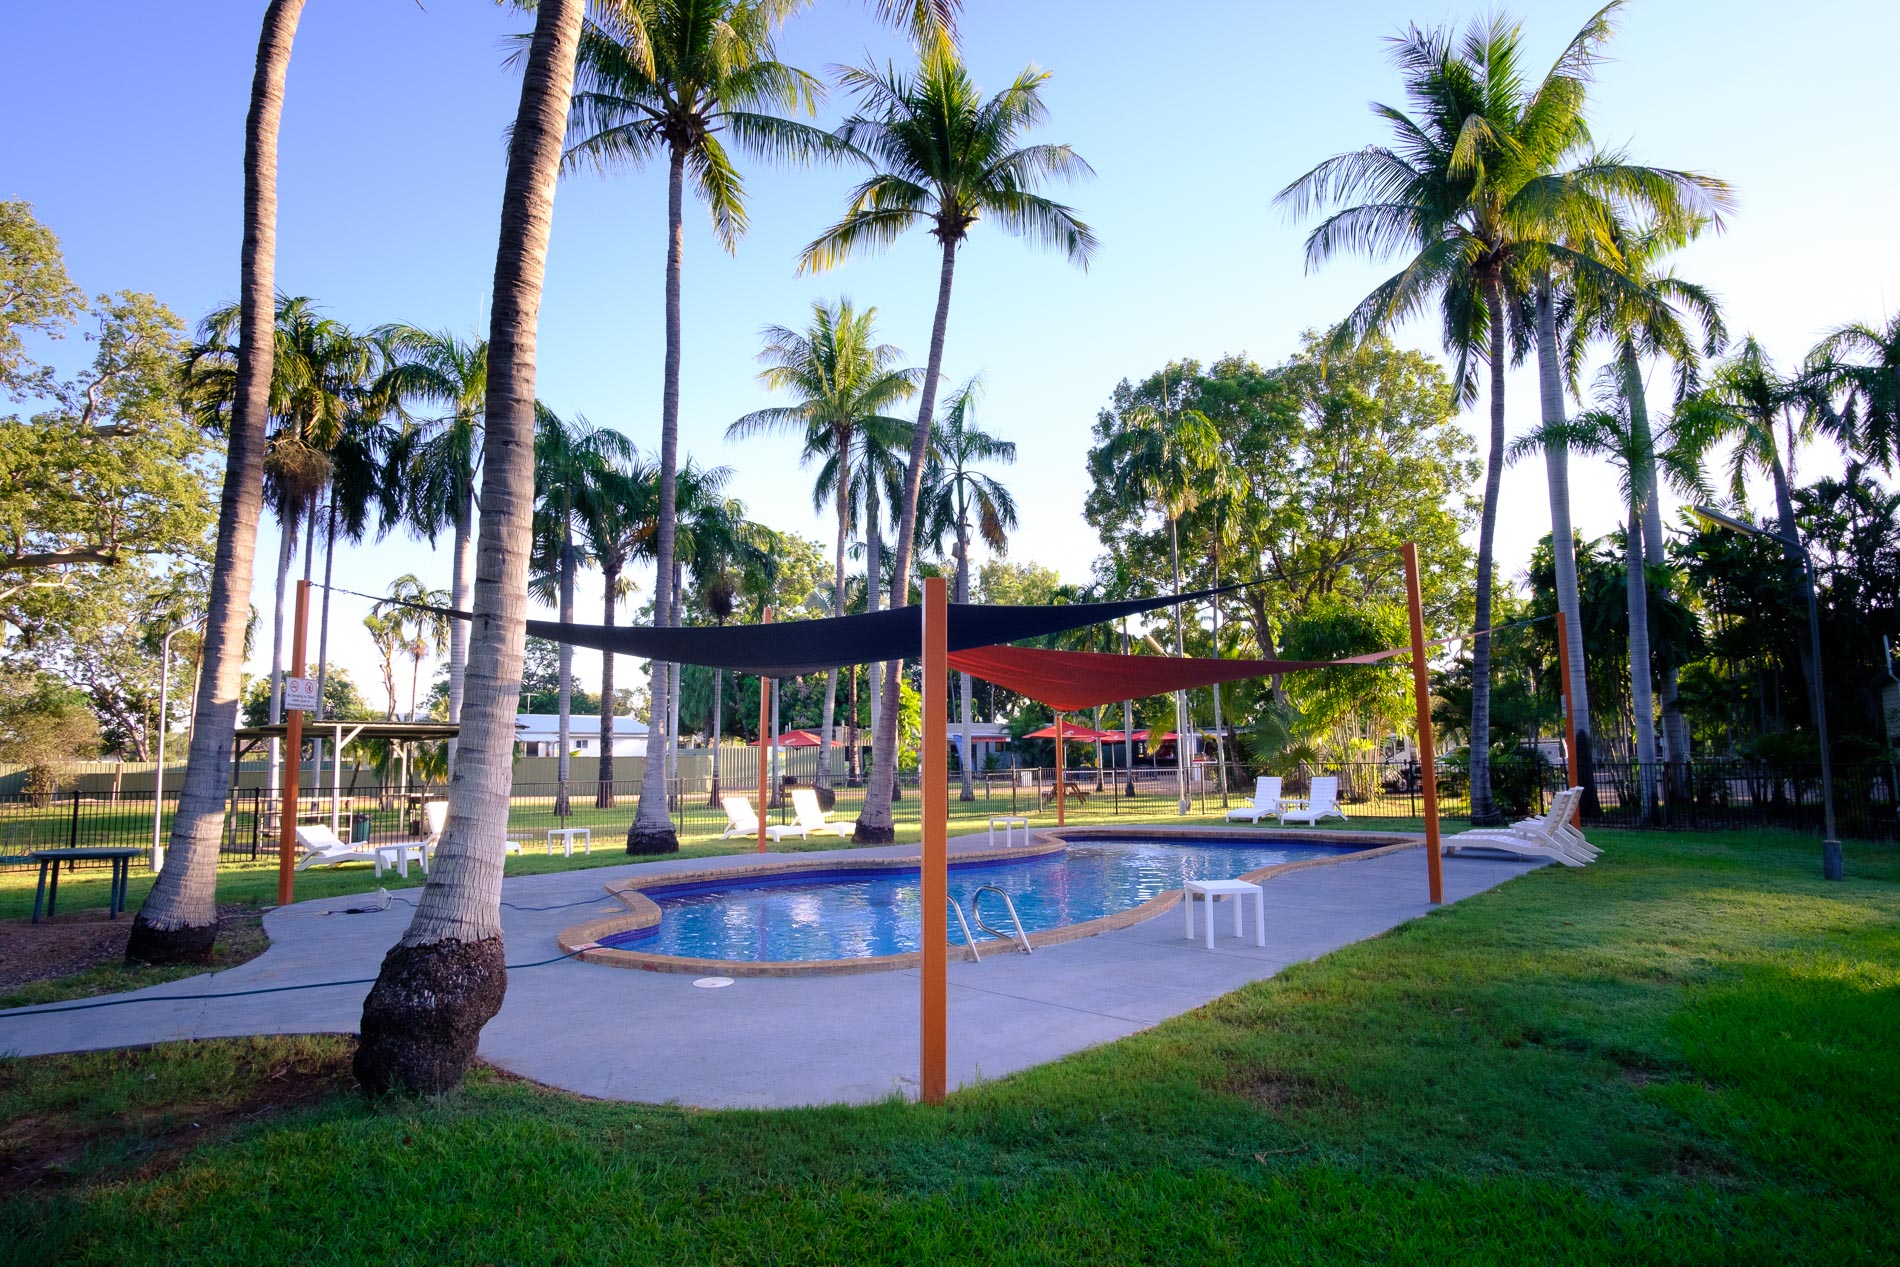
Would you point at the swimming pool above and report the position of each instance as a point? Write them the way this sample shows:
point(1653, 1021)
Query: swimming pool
point(844, 913)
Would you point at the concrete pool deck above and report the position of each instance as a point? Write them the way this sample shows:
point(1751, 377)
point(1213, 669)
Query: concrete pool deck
point(766, 1042)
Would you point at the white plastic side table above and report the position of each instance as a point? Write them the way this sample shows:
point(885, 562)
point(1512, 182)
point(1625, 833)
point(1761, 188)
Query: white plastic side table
point(1209, 890)
point(1009, 821)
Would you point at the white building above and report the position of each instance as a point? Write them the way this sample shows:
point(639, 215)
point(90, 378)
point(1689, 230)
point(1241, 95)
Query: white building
point(539, 735)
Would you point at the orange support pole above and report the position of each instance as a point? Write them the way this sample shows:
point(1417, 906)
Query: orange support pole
point(293, 759)
point(934, 792)
point(1570, 729)
point(1061, 777)
point(1422, 696)
point(765, 758)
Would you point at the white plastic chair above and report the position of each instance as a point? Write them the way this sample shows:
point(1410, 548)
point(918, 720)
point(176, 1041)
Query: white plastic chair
point(813, 818)
point(1266, 800)
point(321, 848)
point(1546, 837)
point(1321, 801)
point(742, 820)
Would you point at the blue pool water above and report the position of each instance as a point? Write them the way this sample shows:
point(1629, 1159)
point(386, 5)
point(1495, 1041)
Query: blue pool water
point(851, 914)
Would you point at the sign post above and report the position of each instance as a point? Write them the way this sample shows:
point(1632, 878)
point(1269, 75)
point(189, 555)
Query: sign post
point(299, 694)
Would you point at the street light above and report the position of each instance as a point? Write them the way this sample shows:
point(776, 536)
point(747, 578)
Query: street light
point(1830, 844)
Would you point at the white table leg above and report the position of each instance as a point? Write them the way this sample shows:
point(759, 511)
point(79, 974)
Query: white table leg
point(1238, 907)
point(993, 834)
point(1208, 920)
point(1260, 916)
point(1187, 904)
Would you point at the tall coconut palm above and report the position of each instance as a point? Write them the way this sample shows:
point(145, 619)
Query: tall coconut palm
point(446, 977)
point(1648, 315)
point(616, 514)
point(420, 631)
point(960, 499)
point(1859, 365)
point(441, 384)
point(683, 78)
point(1766, 416)
point(714, 536)
point(178, 921)
point(1466, 188)
point(942, 157)
point(570, 460)
point(1164, 456)
point(844, 380)
point(1640, 457)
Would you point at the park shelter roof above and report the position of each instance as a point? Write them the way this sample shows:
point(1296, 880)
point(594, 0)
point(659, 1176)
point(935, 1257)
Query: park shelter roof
point(314, 728)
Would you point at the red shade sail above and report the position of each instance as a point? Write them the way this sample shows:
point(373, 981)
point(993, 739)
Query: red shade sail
point(1071, 680)
point(802, 739)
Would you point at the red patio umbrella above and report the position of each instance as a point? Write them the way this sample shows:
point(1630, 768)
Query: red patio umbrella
point(1072, 731)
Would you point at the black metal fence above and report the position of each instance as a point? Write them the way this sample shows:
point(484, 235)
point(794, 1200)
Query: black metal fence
point(1700, 795)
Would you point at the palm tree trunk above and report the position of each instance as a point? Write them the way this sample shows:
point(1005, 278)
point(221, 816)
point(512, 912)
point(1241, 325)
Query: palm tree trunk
point(446, 978)
point(873, 592)
point(652, 828)
point(1642, 701)
point(604, 794)
point(718, 729)
point(1481, 808)
point(826, 732)
point(673, 678)
point(1128, 730)
point(461, 579)
point(1563, 541)
point(875, 825)
point(1675, 725)
point(851, 733)
point(178, 921)
point(564, 690)
point(286, 554)
point(964, 687)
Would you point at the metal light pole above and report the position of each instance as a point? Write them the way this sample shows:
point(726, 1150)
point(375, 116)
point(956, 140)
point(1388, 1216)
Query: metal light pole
point(1831, 866)
point(164, 716)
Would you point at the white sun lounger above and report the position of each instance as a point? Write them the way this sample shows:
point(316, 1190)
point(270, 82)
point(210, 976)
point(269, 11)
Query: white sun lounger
point(741, 820)
point(1265, 803)
point(1546, 837)
point(1321, 801)
point(813, 819)
point(321, 848)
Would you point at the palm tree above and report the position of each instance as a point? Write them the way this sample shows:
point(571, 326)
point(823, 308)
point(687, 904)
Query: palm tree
point(419, 631)
point(1164, 456)
point(1860, 364)
point(446, 977)
point(1642, 318)
point(386, 634)
point(675, 77)
point(843, 380)
point(440, 457)
point(1761, 412)
point(616, 521)
point(1611, 431)
point(178, 921)
point(943, 157)
point(570, 460)
point(1473, 186)
point(955, 491)
point(714, 536)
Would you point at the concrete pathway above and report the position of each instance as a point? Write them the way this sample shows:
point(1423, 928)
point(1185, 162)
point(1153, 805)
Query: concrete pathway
point(767, 1041)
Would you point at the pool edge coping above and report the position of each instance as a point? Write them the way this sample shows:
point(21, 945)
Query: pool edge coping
point(582, 940)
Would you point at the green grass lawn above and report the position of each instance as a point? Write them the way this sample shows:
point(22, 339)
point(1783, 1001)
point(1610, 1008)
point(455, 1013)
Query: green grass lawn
point(1681, 1054)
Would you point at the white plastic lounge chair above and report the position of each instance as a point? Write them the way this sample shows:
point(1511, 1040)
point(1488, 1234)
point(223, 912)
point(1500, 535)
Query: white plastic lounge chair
point(1322, 801)
point(1534, 837)
point(813, 819)
point(1266, 800)
point(741, 820)
point(321, 848)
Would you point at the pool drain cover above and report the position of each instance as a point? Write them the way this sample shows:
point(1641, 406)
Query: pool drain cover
point(712, 983)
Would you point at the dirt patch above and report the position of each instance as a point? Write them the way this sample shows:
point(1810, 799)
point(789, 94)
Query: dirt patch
point(1278, 1091)
point(66, 944)
point(49, 1151)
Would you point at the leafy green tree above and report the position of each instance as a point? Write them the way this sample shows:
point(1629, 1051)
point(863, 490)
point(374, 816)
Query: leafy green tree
point(36, 296)
point(844, 382)
point(684, 78)
point(44, 724)
point(1859, 365)
point(942, 157)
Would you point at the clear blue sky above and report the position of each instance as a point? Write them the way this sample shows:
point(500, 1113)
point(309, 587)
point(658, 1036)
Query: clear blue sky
point(127, 124)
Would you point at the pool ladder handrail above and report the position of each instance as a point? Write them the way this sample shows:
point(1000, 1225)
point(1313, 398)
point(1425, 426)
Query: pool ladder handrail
point(970, 941)
point(976, 913)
